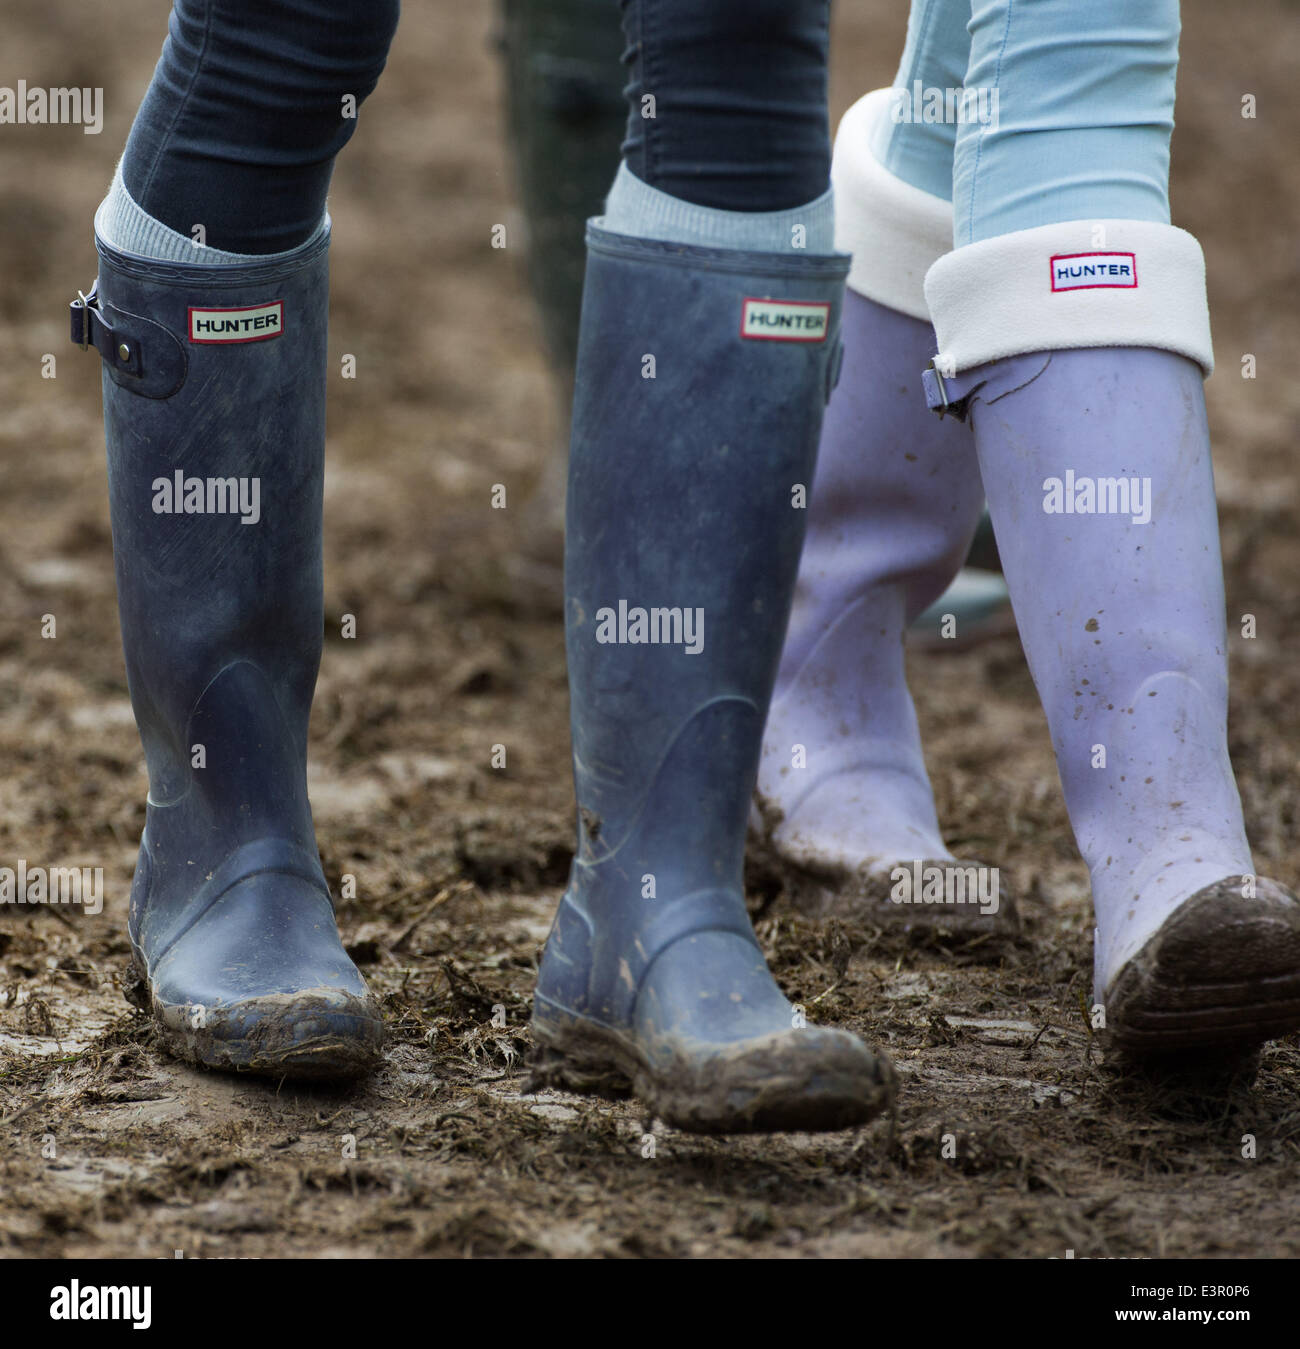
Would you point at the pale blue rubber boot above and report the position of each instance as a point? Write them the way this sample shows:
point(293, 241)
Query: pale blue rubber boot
point(702, 374)
point(214, 413)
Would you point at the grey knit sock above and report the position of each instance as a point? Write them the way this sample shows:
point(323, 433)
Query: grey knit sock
point(636, 208)
point(122, 224)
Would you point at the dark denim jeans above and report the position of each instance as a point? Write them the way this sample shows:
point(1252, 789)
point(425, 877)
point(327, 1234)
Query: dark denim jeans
point(728, 100)
point(250, 103)
point(248, 106)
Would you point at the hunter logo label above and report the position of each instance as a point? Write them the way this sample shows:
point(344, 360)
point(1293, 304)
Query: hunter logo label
point(785, 320)
point(1086, 271)
point(253, 324)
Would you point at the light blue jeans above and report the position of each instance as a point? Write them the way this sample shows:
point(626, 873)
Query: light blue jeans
point(1067, 114)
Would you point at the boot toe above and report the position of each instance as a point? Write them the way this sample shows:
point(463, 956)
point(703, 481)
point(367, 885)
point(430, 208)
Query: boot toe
point(814, 1079)
point(715, 1047)
point(261, 982)
point(1222, 971)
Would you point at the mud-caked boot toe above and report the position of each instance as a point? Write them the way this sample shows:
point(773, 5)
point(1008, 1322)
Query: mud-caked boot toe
point(261, 982)
point(734, 1056)
point(1221, 973)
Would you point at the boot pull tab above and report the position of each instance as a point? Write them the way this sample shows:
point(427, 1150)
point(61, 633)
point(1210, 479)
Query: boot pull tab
point(141, 355)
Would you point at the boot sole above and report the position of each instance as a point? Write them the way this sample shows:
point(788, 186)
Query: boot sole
point(346, 1043)
point(768, 1085)
point(1221, 975)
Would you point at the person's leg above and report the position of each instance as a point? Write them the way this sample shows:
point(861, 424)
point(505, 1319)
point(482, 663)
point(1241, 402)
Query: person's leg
point(563, 87)
point(727, 101)
point(214, 348)
point(906, 139)
point(1079, 115)
point(247, 109)
point(565, 116)
point(709, 341)
point(843, 787)
point(1073, 331)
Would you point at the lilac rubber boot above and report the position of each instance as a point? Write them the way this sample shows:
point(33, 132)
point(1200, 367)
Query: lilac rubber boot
point(843, 789)
point(1096, 462)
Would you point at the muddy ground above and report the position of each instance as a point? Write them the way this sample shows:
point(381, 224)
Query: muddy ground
point(109, 1148)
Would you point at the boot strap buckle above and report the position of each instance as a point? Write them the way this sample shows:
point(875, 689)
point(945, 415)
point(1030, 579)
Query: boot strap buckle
point(122, 340)
point(91, 328)
point(949, 395)
point(81, 308)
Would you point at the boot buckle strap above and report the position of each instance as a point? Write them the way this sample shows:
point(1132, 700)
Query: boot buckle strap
point(80, 308)
point(121, 340)
point(949, 395)
point(91, 328)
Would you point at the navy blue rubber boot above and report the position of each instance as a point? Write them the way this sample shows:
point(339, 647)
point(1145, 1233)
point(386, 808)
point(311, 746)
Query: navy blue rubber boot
point(214, 410)
point(702, 375)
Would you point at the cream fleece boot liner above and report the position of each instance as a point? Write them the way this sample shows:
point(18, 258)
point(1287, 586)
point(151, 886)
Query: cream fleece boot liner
point(1080, 283)
point(894, 230)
